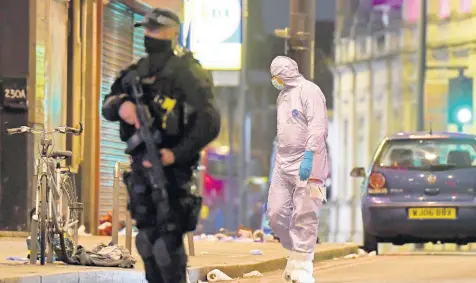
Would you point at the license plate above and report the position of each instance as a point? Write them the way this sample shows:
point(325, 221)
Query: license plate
point(432, 213)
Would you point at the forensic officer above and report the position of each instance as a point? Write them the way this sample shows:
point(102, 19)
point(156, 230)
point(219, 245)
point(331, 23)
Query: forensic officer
point(297, 188)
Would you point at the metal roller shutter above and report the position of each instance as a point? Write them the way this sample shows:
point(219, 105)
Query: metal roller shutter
point(117, 53)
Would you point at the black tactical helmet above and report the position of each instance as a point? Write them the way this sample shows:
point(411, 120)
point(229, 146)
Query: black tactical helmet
point(158, 18)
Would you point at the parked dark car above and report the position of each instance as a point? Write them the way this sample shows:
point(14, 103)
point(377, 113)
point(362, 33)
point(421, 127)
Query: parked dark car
point(420, 188)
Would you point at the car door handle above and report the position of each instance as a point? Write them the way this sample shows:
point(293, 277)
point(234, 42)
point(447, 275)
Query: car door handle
point(432, 191)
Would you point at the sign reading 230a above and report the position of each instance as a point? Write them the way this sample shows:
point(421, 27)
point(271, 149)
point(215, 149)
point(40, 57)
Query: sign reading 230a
point(15, 93)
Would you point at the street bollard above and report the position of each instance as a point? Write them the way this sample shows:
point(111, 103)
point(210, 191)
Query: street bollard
point(196, 189)
point(116, 192)
point(34, 223)
point(34, 242)
point(191, 244)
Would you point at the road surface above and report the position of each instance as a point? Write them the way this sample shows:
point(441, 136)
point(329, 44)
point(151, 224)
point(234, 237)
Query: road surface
point(415, 268)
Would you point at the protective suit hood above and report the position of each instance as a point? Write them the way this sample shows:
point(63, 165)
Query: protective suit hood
point(287, 70)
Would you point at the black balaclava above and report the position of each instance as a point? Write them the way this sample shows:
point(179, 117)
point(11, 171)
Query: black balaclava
point(154, 45)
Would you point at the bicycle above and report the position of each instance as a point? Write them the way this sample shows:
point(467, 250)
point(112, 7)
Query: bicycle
point(51, 187)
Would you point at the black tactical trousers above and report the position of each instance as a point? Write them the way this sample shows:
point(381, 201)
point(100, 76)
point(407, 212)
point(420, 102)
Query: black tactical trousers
point(161, 245)
point(165, 261)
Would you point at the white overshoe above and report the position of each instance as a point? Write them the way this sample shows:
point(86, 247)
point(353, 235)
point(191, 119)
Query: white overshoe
point(288, 269)
point(302, 272)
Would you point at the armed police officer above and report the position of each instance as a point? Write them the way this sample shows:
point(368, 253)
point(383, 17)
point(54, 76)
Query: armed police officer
point(178, 92)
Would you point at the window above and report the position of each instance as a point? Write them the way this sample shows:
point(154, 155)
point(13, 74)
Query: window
point(362, 44)
point(381, 42)
point(428, 154)
point(412, 10)
point(445, 9)
point(465, 6)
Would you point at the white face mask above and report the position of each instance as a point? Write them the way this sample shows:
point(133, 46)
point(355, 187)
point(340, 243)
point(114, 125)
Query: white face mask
point(276, 84)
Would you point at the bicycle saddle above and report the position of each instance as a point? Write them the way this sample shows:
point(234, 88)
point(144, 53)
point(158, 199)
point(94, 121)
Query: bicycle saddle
point(61, 154)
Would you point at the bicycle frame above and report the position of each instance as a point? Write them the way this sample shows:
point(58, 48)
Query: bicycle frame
point(42, 170)
point(54, 209)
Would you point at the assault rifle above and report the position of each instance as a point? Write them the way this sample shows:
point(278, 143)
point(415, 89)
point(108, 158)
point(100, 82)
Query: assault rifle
point(145, 143)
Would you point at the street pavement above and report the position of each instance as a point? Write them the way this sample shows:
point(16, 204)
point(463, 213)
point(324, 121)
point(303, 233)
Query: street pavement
point(390, 268)
point(396, 264)
point(234, 258)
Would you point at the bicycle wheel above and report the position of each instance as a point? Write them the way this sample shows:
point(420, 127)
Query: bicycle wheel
point(43, 217)
point(57, 229)
point(74, 208)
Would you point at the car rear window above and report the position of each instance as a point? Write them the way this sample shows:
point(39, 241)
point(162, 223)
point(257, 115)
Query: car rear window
point(428, 154)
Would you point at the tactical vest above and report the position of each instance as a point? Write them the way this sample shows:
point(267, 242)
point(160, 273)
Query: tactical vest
point(163, 94)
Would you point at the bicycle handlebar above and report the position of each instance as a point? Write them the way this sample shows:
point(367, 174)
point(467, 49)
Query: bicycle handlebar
point(19, 130)
point(63, 130)
point(70, 130)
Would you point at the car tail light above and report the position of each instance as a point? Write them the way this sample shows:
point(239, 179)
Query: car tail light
point(377, 184)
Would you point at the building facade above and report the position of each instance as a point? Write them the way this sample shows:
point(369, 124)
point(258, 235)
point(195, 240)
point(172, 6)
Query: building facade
point(375, 84)
point(451, 42)
point(371, 99)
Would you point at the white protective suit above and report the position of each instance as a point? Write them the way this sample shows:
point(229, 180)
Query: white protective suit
point(293, 205)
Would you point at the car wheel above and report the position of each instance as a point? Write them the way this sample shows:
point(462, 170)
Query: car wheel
point(370, 242)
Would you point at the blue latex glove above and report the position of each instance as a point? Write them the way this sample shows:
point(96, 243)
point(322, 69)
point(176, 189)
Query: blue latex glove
point(306, 166)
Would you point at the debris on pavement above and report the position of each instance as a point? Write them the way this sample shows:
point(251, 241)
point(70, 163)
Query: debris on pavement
point(351, 256)
point(268, 238)
point(258, 236)
point(217, 275)
point(256, 252)
point(16, 258)
point(105, 229)
point(254, 273)
point(105, 224)
point(245, 233)
point(82, 231)
point(104, 255)
point(361, 252)
point(220, 236)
